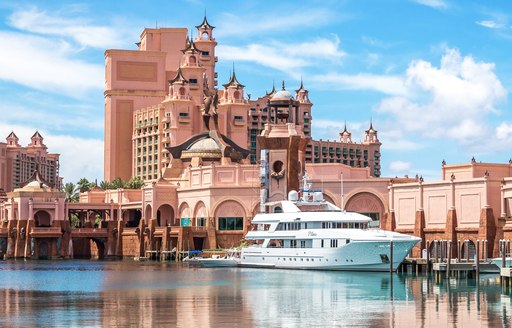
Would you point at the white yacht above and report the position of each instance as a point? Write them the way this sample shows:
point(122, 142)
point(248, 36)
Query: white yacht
point(311, 233)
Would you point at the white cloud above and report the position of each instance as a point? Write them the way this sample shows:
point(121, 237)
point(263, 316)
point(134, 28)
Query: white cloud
point(274, 20)
point(504, 131)
point(47, 65)
point(65, 24)
point(451, 100)
point(79, 157)
point(387, 84)
point(490, 24)
point(284, 58)
point(400, 166)
point(437, 4)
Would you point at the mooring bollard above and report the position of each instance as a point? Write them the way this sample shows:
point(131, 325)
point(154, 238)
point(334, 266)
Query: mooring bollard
point(459, 251)
point(477, 258)
point(391, 256)
point(448, 263)
point(466, 242)
point(428, 258)
point(435, 250)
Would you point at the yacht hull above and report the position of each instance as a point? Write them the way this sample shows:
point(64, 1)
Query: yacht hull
point(356, 256)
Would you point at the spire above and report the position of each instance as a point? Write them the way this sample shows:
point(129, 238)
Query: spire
point(12, 135)
point(178, 78)
point(191, 46)
point(36, 135)
point(346, 136)
point(273, 89)
point(371, 129)
point(301, 88)
point(205, 24)
point(282, 86)
point(233, 82)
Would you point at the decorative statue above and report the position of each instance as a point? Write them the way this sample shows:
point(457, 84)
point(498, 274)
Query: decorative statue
point(210, 103)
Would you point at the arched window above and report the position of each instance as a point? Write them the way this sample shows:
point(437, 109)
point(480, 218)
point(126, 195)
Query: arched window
point(205, 36)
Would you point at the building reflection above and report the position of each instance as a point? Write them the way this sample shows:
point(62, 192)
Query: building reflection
point(188, 297)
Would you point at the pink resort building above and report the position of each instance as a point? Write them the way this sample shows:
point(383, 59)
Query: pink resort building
point(200, 149)
point(197, 146)
point(18, 163)
point(472, 202)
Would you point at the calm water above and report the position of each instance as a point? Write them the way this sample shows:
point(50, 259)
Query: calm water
point(91, 294)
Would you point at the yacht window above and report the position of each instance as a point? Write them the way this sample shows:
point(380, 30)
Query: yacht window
point(293, 244)
point(322, 243)
point(338, 225)
point(302, 244)
point(334, 243)
point(345, 226)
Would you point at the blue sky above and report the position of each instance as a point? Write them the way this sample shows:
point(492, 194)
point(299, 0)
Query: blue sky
point(433, 75)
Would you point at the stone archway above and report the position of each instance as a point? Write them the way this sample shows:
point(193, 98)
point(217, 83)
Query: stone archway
point(185, 217)
point(230, 215)
point(165, 215)
point(368, 204)
point(132, 217)
point(42, 219)
point(201, 215)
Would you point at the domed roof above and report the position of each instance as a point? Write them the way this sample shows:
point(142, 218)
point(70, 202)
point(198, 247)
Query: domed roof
point(204, 148)
point(282, 95)
point(205, 144)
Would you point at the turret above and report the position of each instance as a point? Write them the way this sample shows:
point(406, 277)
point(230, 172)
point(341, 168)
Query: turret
point(301, 94)
point(12, 140)
point(179, 87)
point(371, 135)
point(233, 90)
point(37, 141)
point(206, 44)
point(345, 136)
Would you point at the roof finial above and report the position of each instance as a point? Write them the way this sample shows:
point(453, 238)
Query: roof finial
point(283, 86)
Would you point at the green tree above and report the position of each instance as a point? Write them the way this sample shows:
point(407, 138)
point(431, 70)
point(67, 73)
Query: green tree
point(83, 185)
point(105, 185)
point(134, 183)
point(71, 191)
point(117, 183)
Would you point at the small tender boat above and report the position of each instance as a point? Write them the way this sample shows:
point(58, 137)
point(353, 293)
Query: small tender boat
point(231, 259)
point(498, 261)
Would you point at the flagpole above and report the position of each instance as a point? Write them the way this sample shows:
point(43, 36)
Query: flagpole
point(341, 182)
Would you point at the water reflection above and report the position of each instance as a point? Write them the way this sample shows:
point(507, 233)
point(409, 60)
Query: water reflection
point(149, 294)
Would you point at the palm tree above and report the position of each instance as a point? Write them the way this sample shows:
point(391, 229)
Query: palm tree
point(83, 185)
point(134, 183)
point(71, 191)
point(117, 183)
point(104, 185)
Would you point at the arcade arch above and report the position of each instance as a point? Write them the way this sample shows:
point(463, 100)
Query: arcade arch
point(42, 219)
point(165, 215)
point(368, 204)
